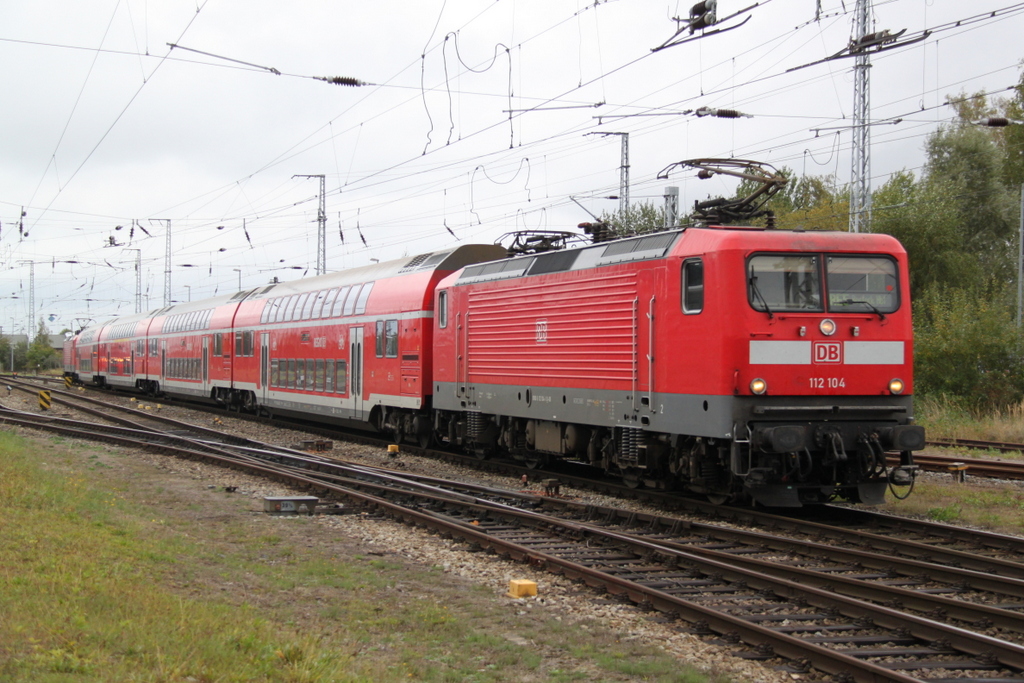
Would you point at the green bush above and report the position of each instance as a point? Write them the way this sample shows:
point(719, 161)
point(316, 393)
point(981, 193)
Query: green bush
point(966, 346)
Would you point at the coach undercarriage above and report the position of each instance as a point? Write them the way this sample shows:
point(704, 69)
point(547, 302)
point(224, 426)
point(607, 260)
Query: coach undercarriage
point(772, 464)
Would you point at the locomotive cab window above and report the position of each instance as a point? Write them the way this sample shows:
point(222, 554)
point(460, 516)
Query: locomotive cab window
point(693, 286)
point(862, 284)
point(812, 283)
point(784, 282)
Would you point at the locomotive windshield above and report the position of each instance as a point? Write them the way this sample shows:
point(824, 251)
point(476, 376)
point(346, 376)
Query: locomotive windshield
point(794, 282)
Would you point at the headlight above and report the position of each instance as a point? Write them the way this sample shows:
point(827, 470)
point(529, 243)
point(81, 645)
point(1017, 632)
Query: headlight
point(827, 327)
point(896, 386)
point(758, 386)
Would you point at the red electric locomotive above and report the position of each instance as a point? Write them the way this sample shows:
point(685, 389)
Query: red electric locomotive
point(735, 362)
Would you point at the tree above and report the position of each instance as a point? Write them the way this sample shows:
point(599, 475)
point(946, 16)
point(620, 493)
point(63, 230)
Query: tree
point(40, 355)
point(639, 219)
point(805, 202)
point(966, 346)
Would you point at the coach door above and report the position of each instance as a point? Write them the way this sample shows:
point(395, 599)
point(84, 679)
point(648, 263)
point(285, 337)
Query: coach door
point(264, 364)
point(206, 365)
point(355, 347)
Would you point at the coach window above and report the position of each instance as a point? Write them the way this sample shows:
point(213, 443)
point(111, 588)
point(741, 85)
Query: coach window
point(380, 338)
point(329, 377)
point(247, 343)
point(442, 308)
point(320, 374)
point(275, 372)
point(325, 308)
point(318, 303)
point(391, 338)
point(289, 379)
point(297, 313)
point(339, 303)
point(364, 294)
point(289, 306)
point(238, 343)
point(307, 309)
point(350, 300)
point(693, 286)
point(341, 382)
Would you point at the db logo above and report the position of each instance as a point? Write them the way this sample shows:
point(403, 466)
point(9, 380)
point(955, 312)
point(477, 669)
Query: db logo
point(827, 352)
point(542, 331)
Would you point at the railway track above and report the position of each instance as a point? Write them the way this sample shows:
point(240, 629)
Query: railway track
point(858, 527)
point(705, 574)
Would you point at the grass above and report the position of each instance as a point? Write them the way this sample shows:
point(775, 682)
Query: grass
point(100, 580)
point(996, 507)
point(943, 417)
point(989, 505)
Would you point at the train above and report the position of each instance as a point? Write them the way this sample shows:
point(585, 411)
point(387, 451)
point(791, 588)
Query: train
point(743, 364)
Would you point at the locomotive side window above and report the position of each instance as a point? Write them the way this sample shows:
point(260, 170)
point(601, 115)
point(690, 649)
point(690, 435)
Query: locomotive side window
point(442, 308)
point(693, 286)
point(391, 338)
point(862, 284)
point(784, 282)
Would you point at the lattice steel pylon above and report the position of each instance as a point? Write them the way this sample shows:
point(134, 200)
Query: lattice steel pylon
point(860, 175)
point(321, 221)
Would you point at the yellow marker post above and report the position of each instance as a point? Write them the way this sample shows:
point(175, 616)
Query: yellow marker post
point(44, 400)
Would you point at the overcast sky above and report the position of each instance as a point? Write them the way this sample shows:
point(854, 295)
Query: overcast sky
point(476, 118)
